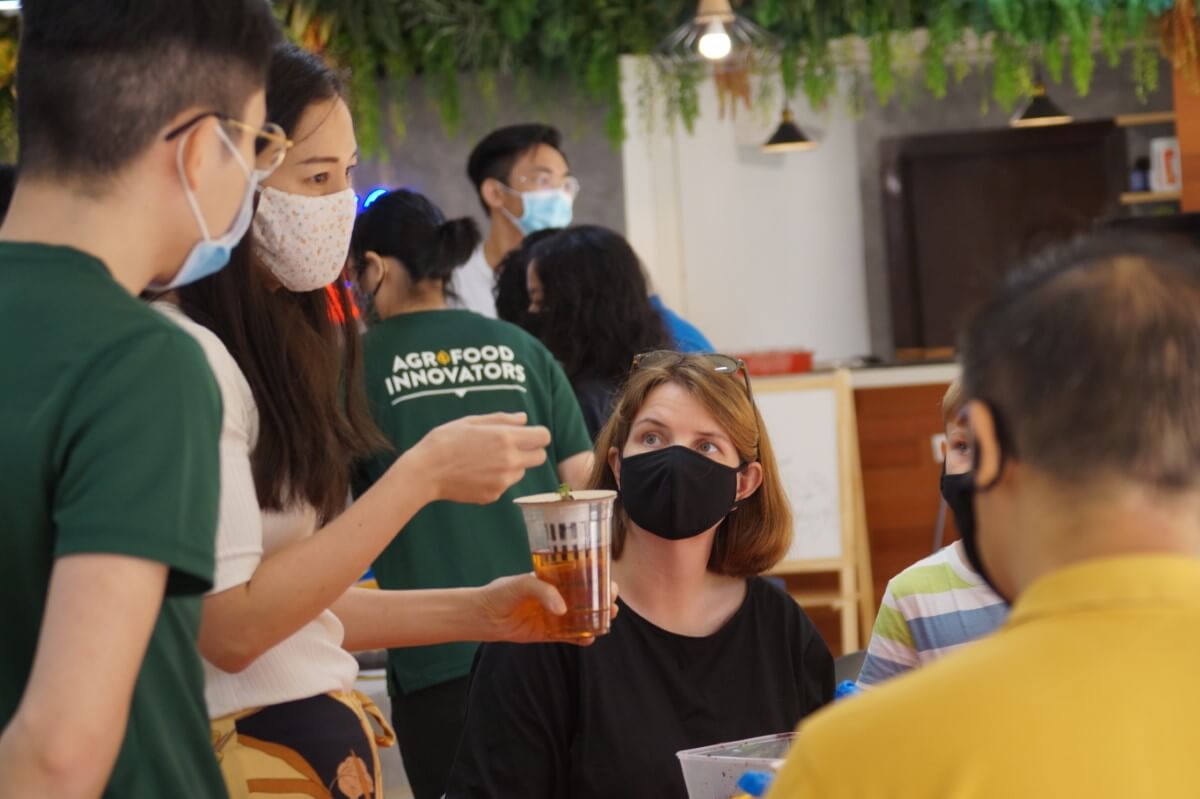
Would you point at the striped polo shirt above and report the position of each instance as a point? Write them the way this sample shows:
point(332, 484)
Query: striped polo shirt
point(929, 610)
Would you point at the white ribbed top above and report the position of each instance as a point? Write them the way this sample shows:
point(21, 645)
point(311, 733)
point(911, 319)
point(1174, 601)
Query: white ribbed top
point(312, 660)
point(473, 286)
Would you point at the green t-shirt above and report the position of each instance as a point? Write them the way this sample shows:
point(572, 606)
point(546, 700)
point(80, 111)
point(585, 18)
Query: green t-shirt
point(425, 369)
point(109, 428)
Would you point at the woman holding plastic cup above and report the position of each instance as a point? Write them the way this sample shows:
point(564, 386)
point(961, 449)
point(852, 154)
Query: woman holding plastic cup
point(283, 611)
point(704, 650)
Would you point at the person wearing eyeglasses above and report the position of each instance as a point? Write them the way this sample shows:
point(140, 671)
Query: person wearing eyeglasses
point(283, 611)
point(427, 364)
point(109, 415)
point(525, 185)
point(703, 651)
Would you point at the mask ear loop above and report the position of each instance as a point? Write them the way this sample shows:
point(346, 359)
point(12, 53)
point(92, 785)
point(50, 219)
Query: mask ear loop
point(187, 190)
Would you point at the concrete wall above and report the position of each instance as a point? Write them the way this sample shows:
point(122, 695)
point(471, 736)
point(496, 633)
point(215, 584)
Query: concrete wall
point(1112, 93)
point(430, 161)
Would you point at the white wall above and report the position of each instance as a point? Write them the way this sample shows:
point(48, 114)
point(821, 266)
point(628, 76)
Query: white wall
point(759, 251)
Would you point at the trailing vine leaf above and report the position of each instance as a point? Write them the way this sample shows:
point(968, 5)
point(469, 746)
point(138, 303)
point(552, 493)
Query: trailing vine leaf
point(943, 26)
point(1079, 37)
point(857, 97)
point(1145, 70)
point(1052, 58)
point(1112, 29)
point(820, 78)
point(882, 76)
point(789, 69)
point(485, 82)
point(1007, 83)
point(364, 99)
point(648, 95)
point(579, 42)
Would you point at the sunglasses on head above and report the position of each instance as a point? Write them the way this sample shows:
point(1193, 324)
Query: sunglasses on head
point(721, 364)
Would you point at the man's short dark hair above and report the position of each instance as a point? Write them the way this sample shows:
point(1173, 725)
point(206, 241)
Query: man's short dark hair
point(97, 80)
point(1090, 357)
point(495, 156)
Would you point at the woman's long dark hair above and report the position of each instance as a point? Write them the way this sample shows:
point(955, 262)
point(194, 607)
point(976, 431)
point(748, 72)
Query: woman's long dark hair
point(512, 288)
point(304, 369)
point(596, 313)
point(406, 226)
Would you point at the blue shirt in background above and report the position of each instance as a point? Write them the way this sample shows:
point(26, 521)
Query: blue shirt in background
point(687, 337)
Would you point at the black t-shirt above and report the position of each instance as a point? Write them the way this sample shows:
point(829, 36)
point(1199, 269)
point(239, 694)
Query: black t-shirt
point(554, 721)
point(596, 396)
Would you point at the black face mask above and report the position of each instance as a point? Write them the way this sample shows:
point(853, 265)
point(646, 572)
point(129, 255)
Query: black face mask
point(365, 300)
point(676, 493)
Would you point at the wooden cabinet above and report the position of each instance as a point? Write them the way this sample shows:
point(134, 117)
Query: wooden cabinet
point(960, 207)
point(896, 429)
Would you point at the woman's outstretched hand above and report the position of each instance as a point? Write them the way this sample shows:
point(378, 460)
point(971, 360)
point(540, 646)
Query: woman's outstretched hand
point(477, 458)
point(514, 609)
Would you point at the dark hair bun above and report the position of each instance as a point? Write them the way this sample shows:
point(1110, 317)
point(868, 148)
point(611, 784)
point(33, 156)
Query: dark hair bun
point(456, 241)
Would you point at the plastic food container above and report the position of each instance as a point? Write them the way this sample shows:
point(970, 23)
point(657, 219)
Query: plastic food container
point(712, 772)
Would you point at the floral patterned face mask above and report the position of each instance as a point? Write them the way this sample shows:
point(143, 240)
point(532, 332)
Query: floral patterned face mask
point(304, 240)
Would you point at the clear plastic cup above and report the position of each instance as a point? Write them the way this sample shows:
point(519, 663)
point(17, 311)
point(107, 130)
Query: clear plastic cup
point(570, 540)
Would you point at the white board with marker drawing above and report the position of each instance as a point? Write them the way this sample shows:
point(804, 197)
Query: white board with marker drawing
point(814, 431)
point(803, 426)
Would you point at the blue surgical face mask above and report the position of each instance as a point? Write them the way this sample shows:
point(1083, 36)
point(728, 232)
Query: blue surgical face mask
point(210, 255)
point(544, 208)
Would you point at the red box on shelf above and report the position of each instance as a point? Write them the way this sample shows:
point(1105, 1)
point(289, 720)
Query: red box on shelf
point(778, 362)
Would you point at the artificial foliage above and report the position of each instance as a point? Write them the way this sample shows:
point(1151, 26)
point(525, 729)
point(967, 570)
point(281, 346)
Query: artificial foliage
point(813, 43)
point(886, 48)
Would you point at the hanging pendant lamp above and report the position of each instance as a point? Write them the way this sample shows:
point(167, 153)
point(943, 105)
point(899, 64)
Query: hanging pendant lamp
point(788, 138)
point(1040, 111)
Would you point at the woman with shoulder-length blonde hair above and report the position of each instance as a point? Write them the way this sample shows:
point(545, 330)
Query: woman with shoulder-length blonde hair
point(704, 650)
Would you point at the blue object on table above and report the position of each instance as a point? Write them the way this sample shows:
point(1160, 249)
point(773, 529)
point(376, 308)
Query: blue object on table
point(846, 688)
point(755, 783)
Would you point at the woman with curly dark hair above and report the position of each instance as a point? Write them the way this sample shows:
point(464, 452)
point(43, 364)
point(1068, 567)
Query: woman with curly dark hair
point(590, 307)
point(512, 290)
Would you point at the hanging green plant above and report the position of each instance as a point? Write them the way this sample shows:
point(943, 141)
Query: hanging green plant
point(883, 78)
point(463, 49)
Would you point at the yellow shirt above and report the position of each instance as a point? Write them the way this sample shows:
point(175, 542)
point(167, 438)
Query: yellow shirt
point(1089, 690)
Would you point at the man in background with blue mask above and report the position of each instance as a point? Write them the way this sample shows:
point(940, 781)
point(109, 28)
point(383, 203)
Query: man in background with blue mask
point(142, 133)
point(525, 185)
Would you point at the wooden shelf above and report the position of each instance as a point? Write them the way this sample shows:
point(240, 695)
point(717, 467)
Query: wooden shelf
point(814, 566)
point(1144, 197)
point(830, 599)
point(1145, 118)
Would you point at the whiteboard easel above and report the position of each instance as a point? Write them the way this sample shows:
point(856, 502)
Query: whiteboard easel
point(814, 431)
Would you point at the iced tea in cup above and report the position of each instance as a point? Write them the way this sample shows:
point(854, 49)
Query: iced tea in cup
point(569, 536)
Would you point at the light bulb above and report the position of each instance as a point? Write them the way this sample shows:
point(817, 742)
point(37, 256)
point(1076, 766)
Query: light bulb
point(715, 44)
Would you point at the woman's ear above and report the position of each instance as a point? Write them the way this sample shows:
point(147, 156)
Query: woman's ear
point(749, 480)
point(614, 463)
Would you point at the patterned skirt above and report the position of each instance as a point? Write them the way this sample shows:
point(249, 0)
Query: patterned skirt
point(323, 747)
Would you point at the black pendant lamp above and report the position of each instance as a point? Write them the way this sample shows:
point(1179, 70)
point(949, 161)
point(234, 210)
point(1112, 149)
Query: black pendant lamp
point(788, 138)
point(1040, 111)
